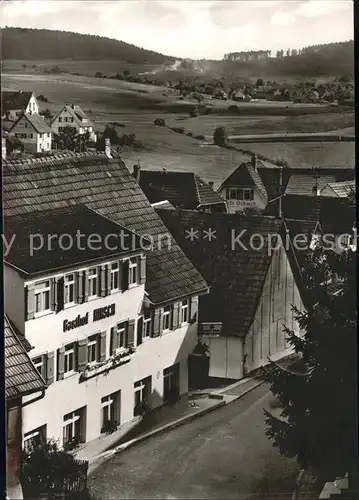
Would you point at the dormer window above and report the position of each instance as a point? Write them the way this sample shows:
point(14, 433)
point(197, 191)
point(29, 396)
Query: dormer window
point(42, 297)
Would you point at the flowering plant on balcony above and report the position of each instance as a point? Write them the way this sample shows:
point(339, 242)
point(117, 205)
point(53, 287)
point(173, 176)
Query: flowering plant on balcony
point(105, 366)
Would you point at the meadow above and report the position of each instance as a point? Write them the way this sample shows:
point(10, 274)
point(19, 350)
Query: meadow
point(135, 106)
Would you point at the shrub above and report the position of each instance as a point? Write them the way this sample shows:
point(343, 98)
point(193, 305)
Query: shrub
point(178, 130)
point(160, 122)
point(193, 112)
point(200, 137)
point(233, 109)
point(42, 98)
point(44, 464)
point(109, 426)
point(98, 74)
point(190, 134)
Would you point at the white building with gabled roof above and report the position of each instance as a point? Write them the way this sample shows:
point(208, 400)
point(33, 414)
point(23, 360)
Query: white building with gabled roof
point(34, 133)
point(73, 116)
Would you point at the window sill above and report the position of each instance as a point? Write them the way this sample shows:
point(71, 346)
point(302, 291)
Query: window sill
point(43, 313)
point(69, 374)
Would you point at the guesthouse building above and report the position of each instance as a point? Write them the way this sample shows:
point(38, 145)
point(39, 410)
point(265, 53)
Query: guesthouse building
point(112, 324)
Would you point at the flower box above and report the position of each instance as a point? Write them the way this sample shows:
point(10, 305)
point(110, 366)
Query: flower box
point(92, 370)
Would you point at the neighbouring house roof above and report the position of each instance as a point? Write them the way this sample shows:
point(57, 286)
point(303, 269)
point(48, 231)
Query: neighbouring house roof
point(181, 189)
point(26, 344)
point(334, 214)
point(53, 257)
point(105, 186)
point(6, 125)
point(14, 100)
point(236, 276)
point(247, 176)
point(77, 113)
point(37, 121)
point(305, 185)
point(21, 376)
point(340, 189)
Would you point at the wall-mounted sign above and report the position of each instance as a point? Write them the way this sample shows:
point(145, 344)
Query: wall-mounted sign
point(211, 328)
point(98, 314)
point(243, 203)
point(104, 312)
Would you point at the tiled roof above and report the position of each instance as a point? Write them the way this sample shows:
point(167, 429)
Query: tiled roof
point(58, 256)
point(77, 113)
point(335, 214)
point(14, 100)
point(247, 176)
point(21, 376)
point(181, 189)
point(304, 185)
point(39, 123)
point(106, 186)
point(26, 344)
point(342, 189)
point(236, 276)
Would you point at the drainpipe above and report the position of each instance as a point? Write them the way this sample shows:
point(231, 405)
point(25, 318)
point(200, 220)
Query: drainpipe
point(280, 191)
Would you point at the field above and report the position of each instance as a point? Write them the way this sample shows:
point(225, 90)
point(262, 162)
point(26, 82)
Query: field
point(135, 106)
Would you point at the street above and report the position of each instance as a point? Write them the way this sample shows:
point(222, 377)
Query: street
point(224, 454)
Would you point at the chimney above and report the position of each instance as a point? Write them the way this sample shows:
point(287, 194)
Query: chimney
point(254, 162)
point(136, 172)
point(108, 147)
point(210, 183)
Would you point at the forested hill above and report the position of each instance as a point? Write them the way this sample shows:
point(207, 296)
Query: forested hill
point(21, 43)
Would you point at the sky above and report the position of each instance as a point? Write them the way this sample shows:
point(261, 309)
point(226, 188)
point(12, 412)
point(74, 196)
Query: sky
point(192, 28)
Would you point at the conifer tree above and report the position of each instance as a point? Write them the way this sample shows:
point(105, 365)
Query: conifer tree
point(318, 423)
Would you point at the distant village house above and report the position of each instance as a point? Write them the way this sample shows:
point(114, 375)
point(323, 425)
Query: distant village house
point(33, 132)
point(15, 104)
point(73, 116)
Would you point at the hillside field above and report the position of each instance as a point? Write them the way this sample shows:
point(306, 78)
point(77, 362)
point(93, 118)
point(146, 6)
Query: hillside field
point(135, 106)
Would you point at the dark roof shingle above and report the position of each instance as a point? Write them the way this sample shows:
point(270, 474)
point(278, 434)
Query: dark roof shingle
point(245, 175)
point(236, 276)
point(106, 186)
point(75, 220)
point(21, 376)
point(39, 123)
point(181, 189)
point(14, 100)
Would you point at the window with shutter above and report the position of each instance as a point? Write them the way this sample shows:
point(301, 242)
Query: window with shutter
point(82, 349)
point(114, 274)
point(133, 272)
point(30, 302)
point(79, 287)
point(125, 275)
point(60, 363)
point(69, 289)
point(93, 349)
point(50, 368)
point(103, 336)
point(131, 333)
point(139, 331)
point(40, 365)
point(157, 323)
point(142, 274)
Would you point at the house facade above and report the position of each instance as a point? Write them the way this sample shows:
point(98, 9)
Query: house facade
point(252, 288)
point(21, 380)
point(244, 188)
point(33, 132)
point(107, 333)
point(14, 104)
point(73, 116)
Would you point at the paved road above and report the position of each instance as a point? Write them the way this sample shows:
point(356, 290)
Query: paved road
point(224, 454)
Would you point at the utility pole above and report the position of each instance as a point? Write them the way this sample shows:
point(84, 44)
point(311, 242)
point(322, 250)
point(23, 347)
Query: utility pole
point(280, 192)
